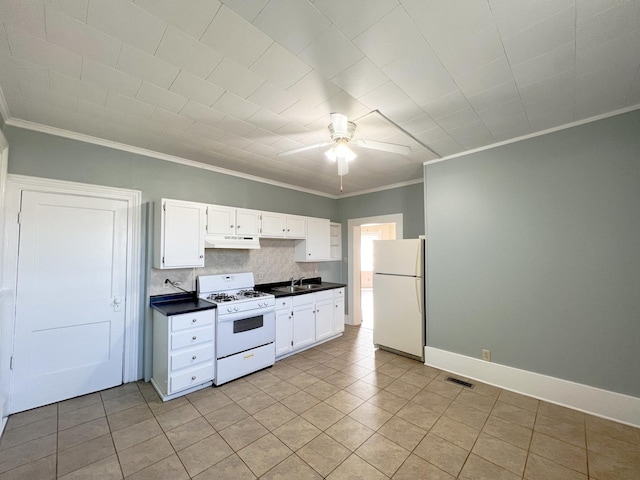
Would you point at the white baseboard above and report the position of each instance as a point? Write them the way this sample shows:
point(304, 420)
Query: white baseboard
point(595, 401)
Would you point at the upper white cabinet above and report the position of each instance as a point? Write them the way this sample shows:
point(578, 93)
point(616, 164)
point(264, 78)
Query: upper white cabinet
point(296, 226)
point(316, 246)
point(273, 225)
point(247, 222)
point(280, 225)
point(179, 234)
point(223, 220)
point(181, 226)
point(335, 241)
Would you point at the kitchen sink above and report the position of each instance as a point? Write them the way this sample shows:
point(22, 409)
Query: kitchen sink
point(307, 287)
point(287, 289)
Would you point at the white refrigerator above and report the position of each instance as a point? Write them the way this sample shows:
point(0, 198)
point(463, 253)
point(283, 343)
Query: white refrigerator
point(398, 296)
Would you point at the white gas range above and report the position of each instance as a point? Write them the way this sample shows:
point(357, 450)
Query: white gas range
point(245, 324)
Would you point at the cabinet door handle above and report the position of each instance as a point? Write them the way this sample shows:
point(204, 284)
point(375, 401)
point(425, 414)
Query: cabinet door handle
point(238, 226)
point(230, 226)
point(193, 378)
point(194, 337)
point(193, 358)
point(194, 320)
point(201, 256)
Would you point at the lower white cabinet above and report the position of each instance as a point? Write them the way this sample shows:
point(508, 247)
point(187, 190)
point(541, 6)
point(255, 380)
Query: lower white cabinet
point(284, 325)
point(183, 352)
point(304, 320)
point(338, 311)
point(324, 314)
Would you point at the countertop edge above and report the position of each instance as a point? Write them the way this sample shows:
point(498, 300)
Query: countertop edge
point(178, 304)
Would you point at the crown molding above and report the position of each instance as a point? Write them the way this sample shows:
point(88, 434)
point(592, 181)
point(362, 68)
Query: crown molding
point(380, 189)
point(537, 134)
point(4, 107)
point(37, 127)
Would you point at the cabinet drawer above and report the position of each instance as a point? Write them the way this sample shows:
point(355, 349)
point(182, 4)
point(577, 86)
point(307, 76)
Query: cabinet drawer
point(283, 303)
point(303, 299)
point(339, 292)
point(324, 295)
point(243, 363)
point(191, 378)
point(191, 357)
point(190, 320)
point(193, 336)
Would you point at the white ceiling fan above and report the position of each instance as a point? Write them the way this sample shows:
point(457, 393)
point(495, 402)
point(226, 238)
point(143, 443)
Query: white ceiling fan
point(341, 131)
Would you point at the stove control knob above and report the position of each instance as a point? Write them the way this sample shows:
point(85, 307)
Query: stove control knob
point(236, 308)
point(229, 309)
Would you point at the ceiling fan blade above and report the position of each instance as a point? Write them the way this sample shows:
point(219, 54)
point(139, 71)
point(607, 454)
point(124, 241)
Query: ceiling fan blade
point(303, 149)
point(385, 147)
point(340, 124)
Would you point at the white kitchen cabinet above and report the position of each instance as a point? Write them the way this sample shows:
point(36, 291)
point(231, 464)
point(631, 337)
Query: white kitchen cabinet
point(223, 220)
point(247, 222)
point(304, 320)
point(183, 352)
point(296, 226)
point(324, 314)
point(273, 225)
point(338, 311)
point(280, 225)
point(316, 246)
point(335, 241)
point(179, 234)
point(284, 325)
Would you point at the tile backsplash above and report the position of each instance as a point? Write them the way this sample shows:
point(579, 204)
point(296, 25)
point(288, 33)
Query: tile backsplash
point(274, 261)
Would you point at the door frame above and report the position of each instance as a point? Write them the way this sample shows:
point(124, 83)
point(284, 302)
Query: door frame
point(16, 184)
point(353, 251)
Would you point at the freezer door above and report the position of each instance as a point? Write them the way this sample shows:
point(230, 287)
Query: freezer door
point(398, 257)
point(398, 319)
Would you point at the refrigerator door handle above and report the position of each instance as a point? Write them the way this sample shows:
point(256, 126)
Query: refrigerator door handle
point(418, 293)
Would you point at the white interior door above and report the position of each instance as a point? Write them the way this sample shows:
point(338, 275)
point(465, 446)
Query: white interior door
point(70, 300)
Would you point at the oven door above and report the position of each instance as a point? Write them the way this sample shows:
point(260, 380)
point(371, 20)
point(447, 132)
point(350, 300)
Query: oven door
point(236, 335)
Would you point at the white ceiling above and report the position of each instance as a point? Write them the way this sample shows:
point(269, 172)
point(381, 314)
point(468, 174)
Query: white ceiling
point(232, 83)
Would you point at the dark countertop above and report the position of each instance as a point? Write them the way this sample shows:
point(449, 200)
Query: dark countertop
point(178, 303)
point(269, 287)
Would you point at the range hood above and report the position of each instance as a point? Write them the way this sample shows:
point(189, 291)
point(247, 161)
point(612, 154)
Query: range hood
point(231, 241)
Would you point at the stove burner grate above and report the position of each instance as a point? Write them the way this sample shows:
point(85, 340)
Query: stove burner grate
point(222, 297)
point(250, 293)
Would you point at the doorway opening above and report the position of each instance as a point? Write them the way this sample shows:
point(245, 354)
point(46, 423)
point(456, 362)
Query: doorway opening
point(368, 234)
point(360, 265)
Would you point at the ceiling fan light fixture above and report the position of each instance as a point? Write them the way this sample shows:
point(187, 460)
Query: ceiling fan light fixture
point(340, 150)
point(343, 166)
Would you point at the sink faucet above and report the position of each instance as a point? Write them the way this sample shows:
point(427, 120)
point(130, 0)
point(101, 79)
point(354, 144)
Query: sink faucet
point(299, 281)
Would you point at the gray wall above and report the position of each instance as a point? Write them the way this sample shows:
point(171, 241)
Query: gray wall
point(408, 200)
point(534, 253)
point(42, 155)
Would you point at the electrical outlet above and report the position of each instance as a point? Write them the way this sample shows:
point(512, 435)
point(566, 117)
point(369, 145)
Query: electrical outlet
point(486, 355)
point(261, 276)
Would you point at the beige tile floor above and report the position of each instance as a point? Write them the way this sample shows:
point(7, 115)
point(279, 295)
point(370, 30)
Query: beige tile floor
point(340, 411)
